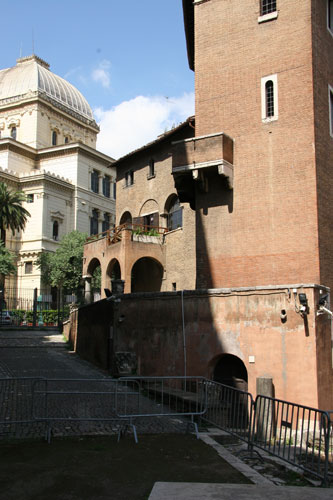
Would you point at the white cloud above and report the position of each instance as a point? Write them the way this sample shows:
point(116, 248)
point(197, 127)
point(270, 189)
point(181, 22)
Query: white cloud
point(101, 74)
point(132, 124)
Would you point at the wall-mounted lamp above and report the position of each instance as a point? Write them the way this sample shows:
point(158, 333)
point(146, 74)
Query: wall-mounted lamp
point(304, 306)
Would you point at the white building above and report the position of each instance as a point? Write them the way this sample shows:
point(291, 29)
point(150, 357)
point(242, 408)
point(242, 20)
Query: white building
point(48, 150)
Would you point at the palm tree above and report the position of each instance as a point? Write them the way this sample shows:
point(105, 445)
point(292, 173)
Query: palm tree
point(12, 215)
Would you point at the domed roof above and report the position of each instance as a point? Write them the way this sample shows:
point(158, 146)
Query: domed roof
point(32, 75)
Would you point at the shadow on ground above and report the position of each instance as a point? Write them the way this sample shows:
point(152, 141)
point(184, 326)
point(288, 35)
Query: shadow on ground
point(99, 468)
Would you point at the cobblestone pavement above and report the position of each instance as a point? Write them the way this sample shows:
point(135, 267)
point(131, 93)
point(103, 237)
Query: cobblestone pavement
point(45, 354)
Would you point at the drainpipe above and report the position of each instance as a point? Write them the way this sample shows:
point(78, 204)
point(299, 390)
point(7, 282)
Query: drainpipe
point(184, 334)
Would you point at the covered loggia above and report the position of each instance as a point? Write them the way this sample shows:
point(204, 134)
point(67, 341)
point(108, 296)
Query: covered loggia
point(146, 276)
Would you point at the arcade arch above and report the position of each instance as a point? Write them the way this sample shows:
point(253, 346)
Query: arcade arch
point(230, 370)
point(146, 275)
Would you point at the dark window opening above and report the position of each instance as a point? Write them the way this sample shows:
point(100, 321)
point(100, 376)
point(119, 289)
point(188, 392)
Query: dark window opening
point(94, 222)
point(28, 267)
point(54, 138)
point(106, 222)
point(151, 169)
point(94, 181)
point(269, 94)
point(126, 218)
point(13, 133)
point(267, 6)
point(55, 231)
point(106, 186)
point(30, 198)
point(175, 215)
point(114, 190)
point(129, 178)
point(174, 287)
point(66, 140)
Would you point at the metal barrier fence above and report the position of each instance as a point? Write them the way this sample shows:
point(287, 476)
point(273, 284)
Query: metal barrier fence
point(166, 397)
point(295, 433)
point(74, 404)
point(229, 409)
point(120, 402)
point(16, 405)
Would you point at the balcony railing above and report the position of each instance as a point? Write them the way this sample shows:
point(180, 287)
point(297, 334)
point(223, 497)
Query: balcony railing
point(114, 235)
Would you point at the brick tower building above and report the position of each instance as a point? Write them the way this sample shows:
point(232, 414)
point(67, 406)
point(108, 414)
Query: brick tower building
point(259, 172)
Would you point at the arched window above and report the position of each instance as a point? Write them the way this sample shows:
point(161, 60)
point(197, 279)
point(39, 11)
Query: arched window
point(269, 98)
point(13, 133)
point(54, 138)
point(66, 140)
point(269, 93)
point(55, 230)
point(175, 214)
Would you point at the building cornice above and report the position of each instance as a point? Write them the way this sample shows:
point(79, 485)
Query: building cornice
point(54, 151)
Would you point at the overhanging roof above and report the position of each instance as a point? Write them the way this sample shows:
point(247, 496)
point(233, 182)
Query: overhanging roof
point(188, 11)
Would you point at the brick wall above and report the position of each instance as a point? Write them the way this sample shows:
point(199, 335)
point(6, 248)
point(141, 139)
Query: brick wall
point(265, 231)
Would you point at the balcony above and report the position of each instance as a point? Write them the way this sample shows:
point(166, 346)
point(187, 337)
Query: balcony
point(196, 159)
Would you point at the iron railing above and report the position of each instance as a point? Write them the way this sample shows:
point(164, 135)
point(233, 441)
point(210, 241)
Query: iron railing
point(115, 234)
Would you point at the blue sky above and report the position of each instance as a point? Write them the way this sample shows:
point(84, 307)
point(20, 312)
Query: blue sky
point(127, 57)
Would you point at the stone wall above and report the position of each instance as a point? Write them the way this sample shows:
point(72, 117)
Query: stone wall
point(259, 326)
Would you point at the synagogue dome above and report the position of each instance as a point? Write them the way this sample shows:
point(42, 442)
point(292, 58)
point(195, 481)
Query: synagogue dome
point(32, 75)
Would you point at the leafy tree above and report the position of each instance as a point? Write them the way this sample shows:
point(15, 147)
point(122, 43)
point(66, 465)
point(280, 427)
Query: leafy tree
point(63, 268)
point(7, 265)
point(43, 261)
point(12, 215)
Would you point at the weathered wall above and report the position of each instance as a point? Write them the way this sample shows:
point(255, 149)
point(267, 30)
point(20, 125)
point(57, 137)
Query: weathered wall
point(92, 330)
point(245, 323)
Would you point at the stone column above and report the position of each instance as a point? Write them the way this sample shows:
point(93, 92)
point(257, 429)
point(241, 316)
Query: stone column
point(265, 409)
point(87, 289)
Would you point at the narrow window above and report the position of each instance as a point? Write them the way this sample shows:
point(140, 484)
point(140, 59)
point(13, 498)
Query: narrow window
point(55, 230)
point(267, 6)
point(28, 267)
point(94, 181)
point(174, 287)
point(94, 222)
point(330, 90)
point(106, 222)
point(114, 190)
point(106, 186)
point(330, 15)
point(269, 93)
point(54, 138)
point(66, 140)
point(151, 172)
point(13, 133)
point(30, 198)
point(129, 178)
point(269, 98)
point(175, 215)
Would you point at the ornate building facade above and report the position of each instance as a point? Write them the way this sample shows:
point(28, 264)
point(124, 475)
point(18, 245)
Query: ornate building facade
point(48, 150)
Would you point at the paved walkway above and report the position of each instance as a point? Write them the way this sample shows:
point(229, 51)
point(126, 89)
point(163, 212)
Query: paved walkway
point(45, 354)
point(207, 491)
